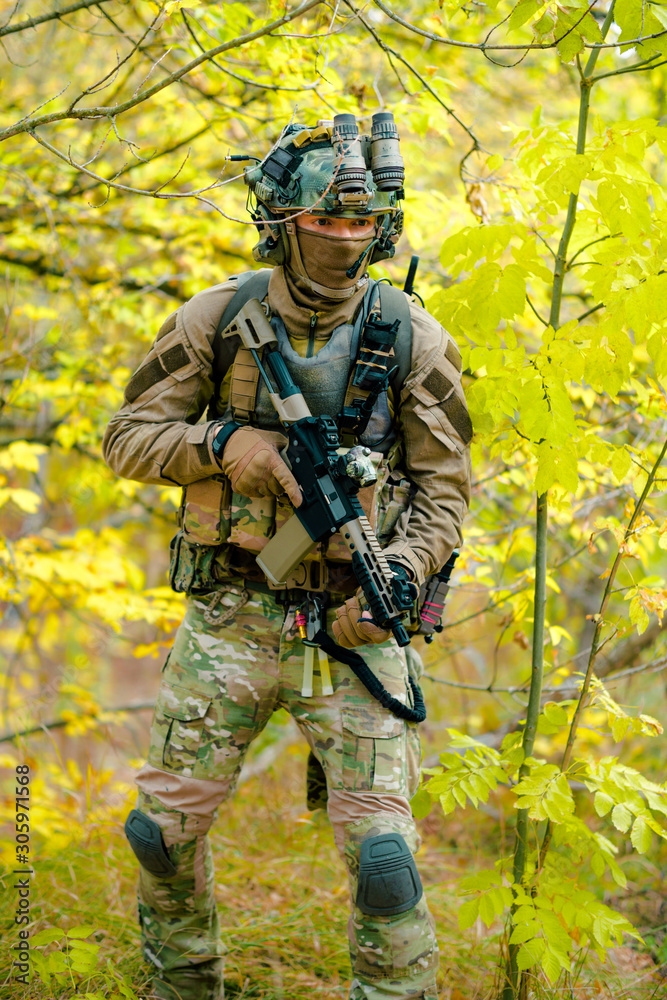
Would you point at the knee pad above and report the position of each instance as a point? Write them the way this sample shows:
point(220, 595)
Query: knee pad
point(389, 882)
point(146, 840)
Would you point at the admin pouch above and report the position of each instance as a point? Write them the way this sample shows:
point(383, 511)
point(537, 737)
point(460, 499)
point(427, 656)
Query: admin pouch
point(198, 550)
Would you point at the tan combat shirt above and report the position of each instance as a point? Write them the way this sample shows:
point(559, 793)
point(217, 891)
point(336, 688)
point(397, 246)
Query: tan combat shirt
point(158, 436)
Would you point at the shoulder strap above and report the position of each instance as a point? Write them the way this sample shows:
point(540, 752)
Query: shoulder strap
point(396, 304)
point(386, 343)
point(251, 285)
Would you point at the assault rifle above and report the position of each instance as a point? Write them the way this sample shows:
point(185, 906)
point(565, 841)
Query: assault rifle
point(329, 483)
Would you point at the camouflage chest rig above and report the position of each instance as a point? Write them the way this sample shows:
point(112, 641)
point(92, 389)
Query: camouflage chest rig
point(348, 378)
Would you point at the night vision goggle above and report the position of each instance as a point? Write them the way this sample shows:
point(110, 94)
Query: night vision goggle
point(332, 168)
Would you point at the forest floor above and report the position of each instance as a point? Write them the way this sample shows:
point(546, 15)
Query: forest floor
point(282, 896)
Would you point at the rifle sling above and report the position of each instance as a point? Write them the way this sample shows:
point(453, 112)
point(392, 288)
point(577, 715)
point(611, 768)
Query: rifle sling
point(373, 685)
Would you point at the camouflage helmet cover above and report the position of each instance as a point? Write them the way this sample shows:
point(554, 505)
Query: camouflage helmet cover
point(301, 173)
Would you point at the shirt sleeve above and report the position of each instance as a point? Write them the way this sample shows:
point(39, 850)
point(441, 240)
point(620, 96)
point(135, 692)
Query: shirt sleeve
point(436, 432)
point(157, 436)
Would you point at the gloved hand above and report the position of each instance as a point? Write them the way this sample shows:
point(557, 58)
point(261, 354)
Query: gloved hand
point(252, 464)
point(354, 627)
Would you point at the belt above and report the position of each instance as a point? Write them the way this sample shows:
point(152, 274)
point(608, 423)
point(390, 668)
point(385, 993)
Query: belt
point(293, 596)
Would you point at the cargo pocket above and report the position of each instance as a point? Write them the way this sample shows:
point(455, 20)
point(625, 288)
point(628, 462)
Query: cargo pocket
point(181, 713)
point(253, 521)
point(374, 752)
point(413, 758)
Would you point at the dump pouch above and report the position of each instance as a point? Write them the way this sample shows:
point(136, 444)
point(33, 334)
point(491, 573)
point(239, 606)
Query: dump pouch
point(193, 568)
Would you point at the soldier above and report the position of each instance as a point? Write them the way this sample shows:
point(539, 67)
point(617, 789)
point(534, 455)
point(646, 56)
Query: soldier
point(326, 202)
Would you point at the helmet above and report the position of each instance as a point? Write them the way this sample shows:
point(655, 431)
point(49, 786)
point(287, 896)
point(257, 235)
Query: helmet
point(328, 170)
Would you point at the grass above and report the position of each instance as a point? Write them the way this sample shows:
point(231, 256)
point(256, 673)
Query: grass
point(282, 895)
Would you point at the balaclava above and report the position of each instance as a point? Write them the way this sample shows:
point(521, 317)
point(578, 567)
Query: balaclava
point(322, 260)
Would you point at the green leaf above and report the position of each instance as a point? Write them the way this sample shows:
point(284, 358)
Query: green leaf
point(570, 45)
point(550, 965)
point(529, 955)
point(487, 910)
point(468, 913)
point(459, 795)
point(47, 936)
point(83, 963)
point(421, 803)
point(603, 803)
point(590, 29)
point(523, 12)
point(619, 728)
point(617, 873)
point(556, 465)
point(555, 713)
point(620, 464)
point(83, 931)
point(641, 835)
point(447, 803)
point(598, 865)
point(545, 25)
point(621, 817)
point(659, 11)
point(525, 932)
point(638, 615)
point(512, 291)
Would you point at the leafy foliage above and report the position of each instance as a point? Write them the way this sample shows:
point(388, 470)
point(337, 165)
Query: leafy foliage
point(534, 138)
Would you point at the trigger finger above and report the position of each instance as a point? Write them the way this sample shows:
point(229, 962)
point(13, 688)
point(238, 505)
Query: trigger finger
point(288, 484)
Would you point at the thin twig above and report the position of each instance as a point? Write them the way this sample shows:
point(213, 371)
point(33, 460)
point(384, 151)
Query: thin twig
point(386, 48)
point(32, 22)
point(136, 706)
point(481, 46)
point(30, 125)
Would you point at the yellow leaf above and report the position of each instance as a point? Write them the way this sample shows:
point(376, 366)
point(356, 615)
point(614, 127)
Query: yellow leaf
point(22, 455)
point(25, 500)
point(651, 725)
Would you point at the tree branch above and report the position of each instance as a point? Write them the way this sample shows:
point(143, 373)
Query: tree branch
point(30, 124)
point(242, 79)
point(38, 265)
point(483, 47)
point(596, 643)
point(386, 48)
point(32, 22)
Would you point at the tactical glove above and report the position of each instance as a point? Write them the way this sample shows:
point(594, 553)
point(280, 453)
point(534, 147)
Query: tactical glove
point(253, 465)
point(354, 626)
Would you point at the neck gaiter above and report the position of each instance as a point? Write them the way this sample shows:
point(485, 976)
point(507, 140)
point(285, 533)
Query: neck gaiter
point(327, 258)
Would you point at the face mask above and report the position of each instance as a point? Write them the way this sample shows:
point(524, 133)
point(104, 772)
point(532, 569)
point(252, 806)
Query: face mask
point(327, 258)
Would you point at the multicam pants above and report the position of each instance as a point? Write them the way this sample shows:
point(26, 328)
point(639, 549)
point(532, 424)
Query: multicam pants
point(220, 686)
